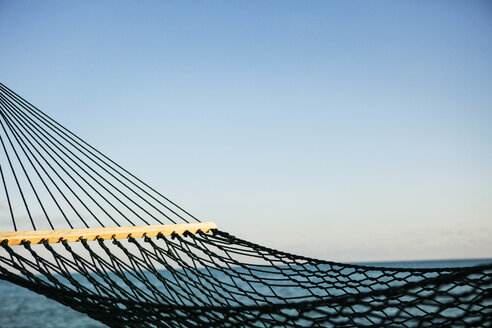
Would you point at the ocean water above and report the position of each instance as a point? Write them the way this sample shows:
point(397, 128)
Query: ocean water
point(20, 307)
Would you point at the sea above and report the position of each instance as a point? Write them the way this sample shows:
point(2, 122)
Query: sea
point(21, 308)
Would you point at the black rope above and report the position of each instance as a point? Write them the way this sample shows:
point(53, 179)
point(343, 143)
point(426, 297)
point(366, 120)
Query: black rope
point(23, 146)
point(75, 141)
point(41, 139)
point(104, 186)
point(190, 293)
point(8, 198)
point(191, 280)
point(18, 185)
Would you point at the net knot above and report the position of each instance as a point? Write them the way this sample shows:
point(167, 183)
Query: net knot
point(100, 240)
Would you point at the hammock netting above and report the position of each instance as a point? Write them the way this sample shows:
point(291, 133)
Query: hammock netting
point(52, 179)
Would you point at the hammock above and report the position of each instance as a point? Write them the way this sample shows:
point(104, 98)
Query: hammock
point(88, 234)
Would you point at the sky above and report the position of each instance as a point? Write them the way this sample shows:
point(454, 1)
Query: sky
point(347, 131)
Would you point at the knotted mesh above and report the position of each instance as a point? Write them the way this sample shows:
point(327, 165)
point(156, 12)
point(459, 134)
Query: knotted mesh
point(217, 280)
point(52, 179)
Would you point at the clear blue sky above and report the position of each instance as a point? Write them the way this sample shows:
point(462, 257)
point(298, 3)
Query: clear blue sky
point(350, 130)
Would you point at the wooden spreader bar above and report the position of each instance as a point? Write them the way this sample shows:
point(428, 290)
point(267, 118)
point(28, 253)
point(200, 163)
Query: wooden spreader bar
point(70, 235)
